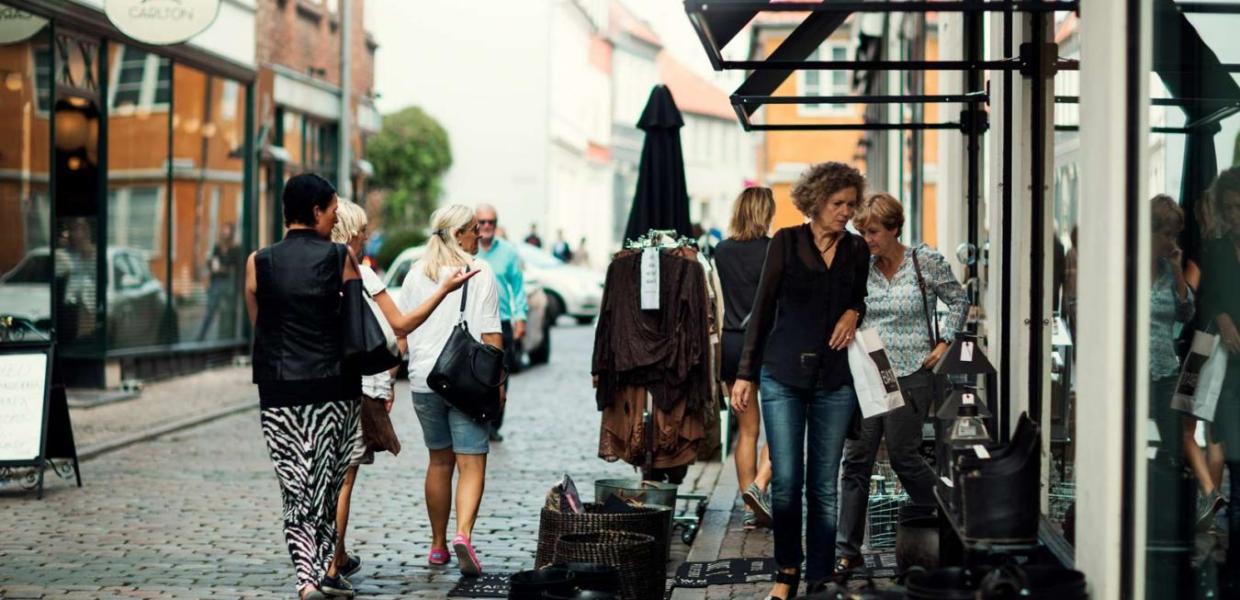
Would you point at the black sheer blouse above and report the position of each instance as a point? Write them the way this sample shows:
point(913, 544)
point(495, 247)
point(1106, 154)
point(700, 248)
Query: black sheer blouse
point(799, 302)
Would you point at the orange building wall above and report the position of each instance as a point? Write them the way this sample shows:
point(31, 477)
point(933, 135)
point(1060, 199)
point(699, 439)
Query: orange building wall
point(23, 147)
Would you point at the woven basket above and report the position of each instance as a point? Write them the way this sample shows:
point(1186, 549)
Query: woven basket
point(654, 521)
point(642, 575)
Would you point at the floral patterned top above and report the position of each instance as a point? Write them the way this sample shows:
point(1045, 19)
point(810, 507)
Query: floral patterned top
point(895, 307)
point(1166, 309)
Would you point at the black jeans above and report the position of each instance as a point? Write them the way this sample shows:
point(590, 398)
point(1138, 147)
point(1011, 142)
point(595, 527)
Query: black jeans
point(902, 428)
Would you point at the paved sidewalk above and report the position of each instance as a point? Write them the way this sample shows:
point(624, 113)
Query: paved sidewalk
point(195, 513)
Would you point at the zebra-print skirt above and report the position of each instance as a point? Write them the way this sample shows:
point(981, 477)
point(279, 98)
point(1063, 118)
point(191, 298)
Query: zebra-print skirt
point(310, 446)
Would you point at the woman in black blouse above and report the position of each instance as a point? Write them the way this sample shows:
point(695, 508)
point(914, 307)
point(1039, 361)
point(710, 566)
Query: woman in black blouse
point(810, 300)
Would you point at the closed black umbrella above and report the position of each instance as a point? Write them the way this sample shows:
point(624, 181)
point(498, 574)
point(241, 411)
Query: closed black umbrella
point(662, 198)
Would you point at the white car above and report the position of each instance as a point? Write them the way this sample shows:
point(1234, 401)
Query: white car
point(134, 294)
point(537, 343)
point(571, 290)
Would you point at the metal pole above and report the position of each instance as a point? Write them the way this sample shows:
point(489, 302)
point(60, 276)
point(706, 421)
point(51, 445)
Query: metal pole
point(1005, 283)
point(854, 127)
point(344, 161)
point(863, 99)
point(912, 6)
point(1038, 220)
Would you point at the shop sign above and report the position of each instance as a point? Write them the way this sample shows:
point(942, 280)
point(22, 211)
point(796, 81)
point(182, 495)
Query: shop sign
point(162, 22)
point(17, 25)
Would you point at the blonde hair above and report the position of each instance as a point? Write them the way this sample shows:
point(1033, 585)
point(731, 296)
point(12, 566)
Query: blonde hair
point(350, 221)
point(1165, 213)
point(881, 208)
point(751, 214)
point(442, 249)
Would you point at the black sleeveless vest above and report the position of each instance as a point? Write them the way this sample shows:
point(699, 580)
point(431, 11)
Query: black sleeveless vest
point(297, 334)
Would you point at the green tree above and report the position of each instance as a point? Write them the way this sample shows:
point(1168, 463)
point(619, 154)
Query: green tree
point(410, 154)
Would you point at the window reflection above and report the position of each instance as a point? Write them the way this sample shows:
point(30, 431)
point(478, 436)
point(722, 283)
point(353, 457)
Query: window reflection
point(25, 256)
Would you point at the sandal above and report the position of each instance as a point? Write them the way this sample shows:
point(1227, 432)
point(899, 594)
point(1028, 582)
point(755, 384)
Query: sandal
point(439, 557)
point(793, 580)
point(847, 564)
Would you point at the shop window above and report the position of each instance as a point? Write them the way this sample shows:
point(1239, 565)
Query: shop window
point(42, 77)
point(137, 218)
point(826, 83)
point(140, 79)
point(207, 217)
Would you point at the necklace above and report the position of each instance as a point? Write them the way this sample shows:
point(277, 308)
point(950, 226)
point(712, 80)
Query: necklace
point(831, 244)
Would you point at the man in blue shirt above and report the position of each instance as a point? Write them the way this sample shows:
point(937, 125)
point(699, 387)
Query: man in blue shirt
point(502, 256)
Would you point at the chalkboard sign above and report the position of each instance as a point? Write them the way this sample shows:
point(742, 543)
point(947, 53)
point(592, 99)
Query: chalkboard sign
point(34, 416)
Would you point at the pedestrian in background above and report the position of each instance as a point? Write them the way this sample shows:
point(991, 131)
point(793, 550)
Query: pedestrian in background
point(904, 287)
point(738, 260)
point(581, 256)
point(561, 249)
point(456, 443)
point(223, 266)
point(378, 389)
point(810, 300)
point(533, 239)
point(308, 396)
point(513, 305)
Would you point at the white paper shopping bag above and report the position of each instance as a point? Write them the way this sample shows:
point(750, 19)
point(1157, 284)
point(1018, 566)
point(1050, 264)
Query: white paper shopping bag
point(874, 379)
point(1201, 378)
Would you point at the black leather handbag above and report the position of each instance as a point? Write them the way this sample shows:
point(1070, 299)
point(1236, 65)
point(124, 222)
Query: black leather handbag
point(364, 344)
point(469, 374)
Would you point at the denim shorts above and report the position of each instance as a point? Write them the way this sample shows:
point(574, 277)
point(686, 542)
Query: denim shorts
point(445, 427)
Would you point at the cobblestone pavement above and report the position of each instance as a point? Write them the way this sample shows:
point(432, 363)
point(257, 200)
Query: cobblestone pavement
point(163, 402)
point(196, 513)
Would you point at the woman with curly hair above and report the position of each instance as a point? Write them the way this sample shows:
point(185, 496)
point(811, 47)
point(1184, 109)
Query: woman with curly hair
point(811, 298)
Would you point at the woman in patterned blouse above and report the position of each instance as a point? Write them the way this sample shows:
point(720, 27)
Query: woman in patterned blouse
point(897, 309)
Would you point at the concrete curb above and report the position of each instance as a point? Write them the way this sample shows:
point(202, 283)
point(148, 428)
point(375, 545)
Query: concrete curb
point(86, 453)
point(714, 526)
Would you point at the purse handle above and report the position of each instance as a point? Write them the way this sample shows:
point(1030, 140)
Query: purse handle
point(464, 296)
point(473, 368)
point(933, 331)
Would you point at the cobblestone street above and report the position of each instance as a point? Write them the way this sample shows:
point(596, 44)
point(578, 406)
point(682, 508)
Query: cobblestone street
point(195, 513)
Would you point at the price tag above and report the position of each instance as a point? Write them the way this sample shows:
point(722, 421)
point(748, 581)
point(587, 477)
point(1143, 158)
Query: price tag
point(981, 451)
point(650, 279)
point(966, 351)
point(966, 398)
point(947, 482)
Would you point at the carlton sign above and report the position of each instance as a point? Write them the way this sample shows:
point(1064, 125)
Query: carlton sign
point(17, 25)
point(162, 22)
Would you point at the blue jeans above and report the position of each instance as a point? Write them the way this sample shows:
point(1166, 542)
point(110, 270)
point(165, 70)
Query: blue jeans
point(789, 413)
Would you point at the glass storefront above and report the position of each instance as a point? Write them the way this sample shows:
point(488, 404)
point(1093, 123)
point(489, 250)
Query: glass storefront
point(126, 174)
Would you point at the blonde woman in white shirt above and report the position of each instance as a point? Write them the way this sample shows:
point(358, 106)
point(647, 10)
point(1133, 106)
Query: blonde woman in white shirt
point(456, 442)
point(350, 229)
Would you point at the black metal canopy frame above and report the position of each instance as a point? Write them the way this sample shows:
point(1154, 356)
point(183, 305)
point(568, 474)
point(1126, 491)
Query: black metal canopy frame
point(1201, 85)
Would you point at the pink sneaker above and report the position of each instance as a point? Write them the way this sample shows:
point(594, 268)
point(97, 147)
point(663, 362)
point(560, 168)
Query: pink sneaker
point(465, 556)
point(439, 557)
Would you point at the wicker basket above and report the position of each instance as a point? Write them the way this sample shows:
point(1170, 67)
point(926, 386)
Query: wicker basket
point(642, 575)
point(654, 521)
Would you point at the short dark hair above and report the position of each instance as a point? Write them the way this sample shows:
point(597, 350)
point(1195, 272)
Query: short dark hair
point(302, 193)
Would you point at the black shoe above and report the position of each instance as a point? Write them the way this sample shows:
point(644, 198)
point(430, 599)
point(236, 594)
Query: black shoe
point(792, 580)
point(350, 566)
point(337, 586)
point(845, 565)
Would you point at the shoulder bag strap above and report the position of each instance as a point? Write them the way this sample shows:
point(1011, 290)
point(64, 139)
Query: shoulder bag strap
point(931, 330)
point(464, 296)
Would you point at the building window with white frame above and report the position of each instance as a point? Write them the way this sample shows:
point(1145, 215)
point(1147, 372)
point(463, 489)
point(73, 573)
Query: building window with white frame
point(825, 83)
point(137, 216)
point(140, 78)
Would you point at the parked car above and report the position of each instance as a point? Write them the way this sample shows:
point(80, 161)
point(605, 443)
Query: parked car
point(536, 346)
point(135, 298)
point(571, 290)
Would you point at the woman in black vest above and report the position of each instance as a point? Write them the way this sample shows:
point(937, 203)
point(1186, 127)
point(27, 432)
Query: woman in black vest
point(810, 301)
point(308, 394)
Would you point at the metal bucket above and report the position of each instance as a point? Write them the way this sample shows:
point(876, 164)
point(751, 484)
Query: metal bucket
point(646, 492)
